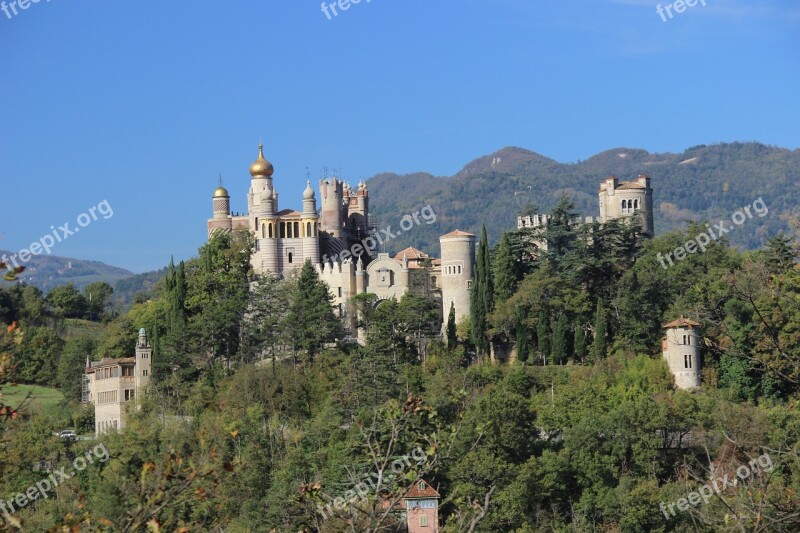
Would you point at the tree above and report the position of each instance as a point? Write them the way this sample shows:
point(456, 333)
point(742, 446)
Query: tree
point(67, 302)
point(580, 342)
point(37, 357)
point(543, 334)
point(481, 296)
point(522, 337)
point(311, 314)
point(452, 337)
point(265, 321)
point(560, 339)
point(72, 365)
point(97, 296)
point(506, 275)
point(600, 332)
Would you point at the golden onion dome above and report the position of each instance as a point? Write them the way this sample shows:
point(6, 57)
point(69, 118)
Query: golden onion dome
point(221, 192)
point(261, 167)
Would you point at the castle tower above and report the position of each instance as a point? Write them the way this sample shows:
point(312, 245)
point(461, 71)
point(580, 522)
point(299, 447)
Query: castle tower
point(681, 349)
point(262, 208)
point(310, 225)
point(221, 202)
point(143, 366)
point(331, 191)
point(458, 266)
point(626, 199)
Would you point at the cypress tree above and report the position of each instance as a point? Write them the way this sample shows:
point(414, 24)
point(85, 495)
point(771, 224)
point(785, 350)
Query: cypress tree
point(560, 340)
point(600, 327)
point(522, 337)
point(452, 338)
point(580, 342)
point(543, 335)
point(481, 296)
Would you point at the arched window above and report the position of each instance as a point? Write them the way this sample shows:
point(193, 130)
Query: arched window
point(296, 230)
point(290, 258)
point(263, 231)
point(256, 223)
point(636, 204)
point(270, 230)
point(308, 229)
point(283, 230)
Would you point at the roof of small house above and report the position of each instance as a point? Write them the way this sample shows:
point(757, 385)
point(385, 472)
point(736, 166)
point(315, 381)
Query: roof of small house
point(682, 323)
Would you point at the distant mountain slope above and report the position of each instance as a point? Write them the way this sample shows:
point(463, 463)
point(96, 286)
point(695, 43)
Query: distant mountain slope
point(703, 182)
point(49, 271)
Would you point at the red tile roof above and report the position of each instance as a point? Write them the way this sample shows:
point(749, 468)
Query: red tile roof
point(458, 233)
point(416, 492)
point(681, 323)
point(411, 253)
point(289, 213)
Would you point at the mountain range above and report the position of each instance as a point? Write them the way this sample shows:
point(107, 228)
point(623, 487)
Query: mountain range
point(706, 183)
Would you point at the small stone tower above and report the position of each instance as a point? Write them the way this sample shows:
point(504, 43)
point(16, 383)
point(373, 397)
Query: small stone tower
point(458, 271)
point(626, 199)
point(681, 348)
point(332, 198)
point(143, 367)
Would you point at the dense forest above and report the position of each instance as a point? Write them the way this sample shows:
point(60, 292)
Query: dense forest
point(263, 409)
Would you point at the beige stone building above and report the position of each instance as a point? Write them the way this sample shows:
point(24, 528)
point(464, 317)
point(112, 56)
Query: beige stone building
point(681, 349)
point(627, 199)
point(616, 200)
point(340, 242)
point(114, 386)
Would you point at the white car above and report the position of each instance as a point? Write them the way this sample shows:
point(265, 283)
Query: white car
point(67, 434)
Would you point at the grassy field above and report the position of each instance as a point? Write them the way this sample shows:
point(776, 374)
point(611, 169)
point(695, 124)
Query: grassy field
point(40, 397)
point(83, 328)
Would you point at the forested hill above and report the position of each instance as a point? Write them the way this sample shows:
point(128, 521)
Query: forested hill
point(704, 182)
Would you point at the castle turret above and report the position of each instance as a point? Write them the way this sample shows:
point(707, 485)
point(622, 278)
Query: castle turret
point(331, 191)
point(681, 349)
point(221, 202)
point(627, 199)
point(143, 366)
point(458, 266)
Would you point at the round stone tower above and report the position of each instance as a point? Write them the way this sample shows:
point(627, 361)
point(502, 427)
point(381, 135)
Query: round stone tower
point(458, 272)
point(681, 349)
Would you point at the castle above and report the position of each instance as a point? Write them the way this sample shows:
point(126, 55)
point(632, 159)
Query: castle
point(113, 385)
point(341, 230)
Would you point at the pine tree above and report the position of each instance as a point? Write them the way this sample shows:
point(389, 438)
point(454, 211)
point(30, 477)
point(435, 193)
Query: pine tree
point(600, 327)
point(452, 339)
point(560, 340)
point(311, 317)
point(505, 270)
point(543, 335)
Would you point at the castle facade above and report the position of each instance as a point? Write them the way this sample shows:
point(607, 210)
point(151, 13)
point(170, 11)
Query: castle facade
point(340, 230)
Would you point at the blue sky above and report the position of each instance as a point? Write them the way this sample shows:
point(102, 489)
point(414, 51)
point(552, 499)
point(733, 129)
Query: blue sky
point(144, 103)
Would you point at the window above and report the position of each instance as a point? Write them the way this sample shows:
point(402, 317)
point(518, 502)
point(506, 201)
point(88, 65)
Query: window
point(296, 230)
point(270, 230)
point(687, 361)
point(258, 245)
point(423, 520)
point(263, 231)
point(422, 485)
point(290, 258)
point(340, 292)
point(256, 223)
point(308, 229)
point(283, 230)
point(144, 372)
